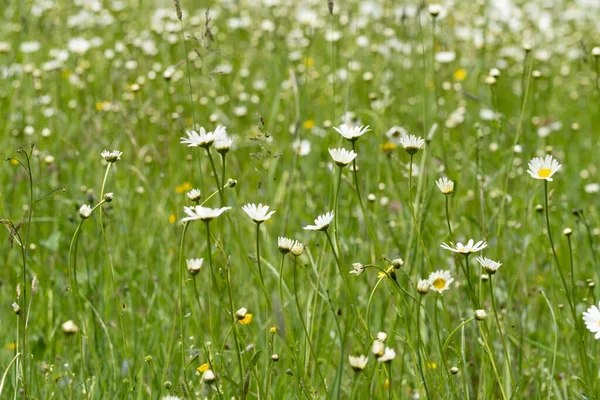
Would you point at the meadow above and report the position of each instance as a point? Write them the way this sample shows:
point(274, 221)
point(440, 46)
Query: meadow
point(299, 199)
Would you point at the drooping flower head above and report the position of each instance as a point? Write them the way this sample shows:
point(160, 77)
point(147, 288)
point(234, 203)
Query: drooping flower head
point(352, 132)
point(342, 157)
point(387, 356)
point(543, 168)
point(358, 363)
point(470, 247)
point(203, 213)
point(357, 269)
point(258, 213)
point(285, 244)
point(440, 280)
point(194, 265)
point(321, 223)
point(85, 211)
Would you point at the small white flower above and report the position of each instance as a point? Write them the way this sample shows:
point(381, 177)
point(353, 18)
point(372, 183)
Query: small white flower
point(203, 213)
point(396, 132)
point(470, 247)
point(352, 132)
point(434, 9)
point(241, 313)
point(440, 280)
point(591, 317)
point(194, 195)
point(480, 315)
point(78, 45)
point(194, 265)
point(357, 269)
point(285, 244)
point(85, 211)
point(69, 327)
point(543, 168)
point(445, 57)
point(258, 213)
point(490, 266)
point(321, 223)
point(209, 376)
point(378, 348)
point(111, 156)
point(412, 143)
point(302, 147)
point(202, 138)
point(445, 185)
point(297, 249)
point(342, 157)
point(387, 356)
point(223, 145)
point(381, 336)
point(358, 363)
point(423, 286)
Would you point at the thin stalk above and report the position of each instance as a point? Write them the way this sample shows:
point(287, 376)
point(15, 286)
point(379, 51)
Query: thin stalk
point(362, 206)
point(583, 352)
point(181, 324)
point(571, 265)
point(235, 334)
point(335, 209)
point(419, 341)
point(412, 213)
point(551, 375)
point(212, 163)
point(488, 350)
point(504, 346)
point(448, 219)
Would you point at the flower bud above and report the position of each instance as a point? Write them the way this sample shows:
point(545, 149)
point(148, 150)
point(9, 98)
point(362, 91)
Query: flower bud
point(567, 232)
point(108, 197)
point(480, 315)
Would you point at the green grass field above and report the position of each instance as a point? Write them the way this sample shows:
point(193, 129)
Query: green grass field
point(124, 286)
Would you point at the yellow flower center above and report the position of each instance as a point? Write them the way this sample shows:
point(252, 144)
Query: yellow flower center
point(544, 172)
point(439, 283)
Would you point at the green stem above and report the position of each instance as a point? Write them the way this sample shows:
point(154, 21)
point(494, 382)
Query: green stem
point(419, 342)
point(504, 346)
point(235, 334)
point(448, 219)
point(212, 163)
point(181, 313)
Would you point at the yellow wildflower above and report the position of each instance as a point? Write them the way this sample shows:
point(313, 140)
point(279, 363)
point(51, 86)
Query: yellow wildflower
point(246, 320)
point(309, 124)
point(203, 367)
point(460, 74)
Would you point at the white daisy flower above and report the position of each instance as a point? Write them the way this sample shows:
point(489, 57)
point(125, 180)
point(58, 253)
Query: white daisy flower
point(423, 286)
point(321, 223)
point(209, 376)
point(591, 317)
point(358, 363)
point(440, 280)
point(223, 145)
point(445, 185)
point(490, 266)
point(412, 143)
point(297, 249)
point(201, 138)
point(85, 211)
point(203, 213)
point(194, 195)
point(387, 356)
point(396, 132)
point(342, 157)
point(470, 247)
point(357, 269)
point(258, 213)
point(352, 132)
point(194, 265)
point(378, 348)
point(302, 147)
point(543, 168)
point(381, 336)
point(285, 244)
point(111, 156)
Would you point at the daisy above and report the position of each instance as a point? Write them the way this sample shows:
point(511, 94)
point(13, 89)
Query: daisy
point(378, 348)
point(203, 213)
point(285, 244)
point(490, 266)
point(321, 223)
point(423, 286)
point(258, 213)
point(470, 247)
point(199, 139)
point(342, 157)
point(387, 356)
point(297, 249)
point(352, 132)
point(591, 317)
point(396, 132)
point(543, 168)
point(223, 145)
point(111, 156)
point(358, 363)
point(194, 265)
point(194, 195)
point(440, 280)
point(412, 143)
point(445, 185)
